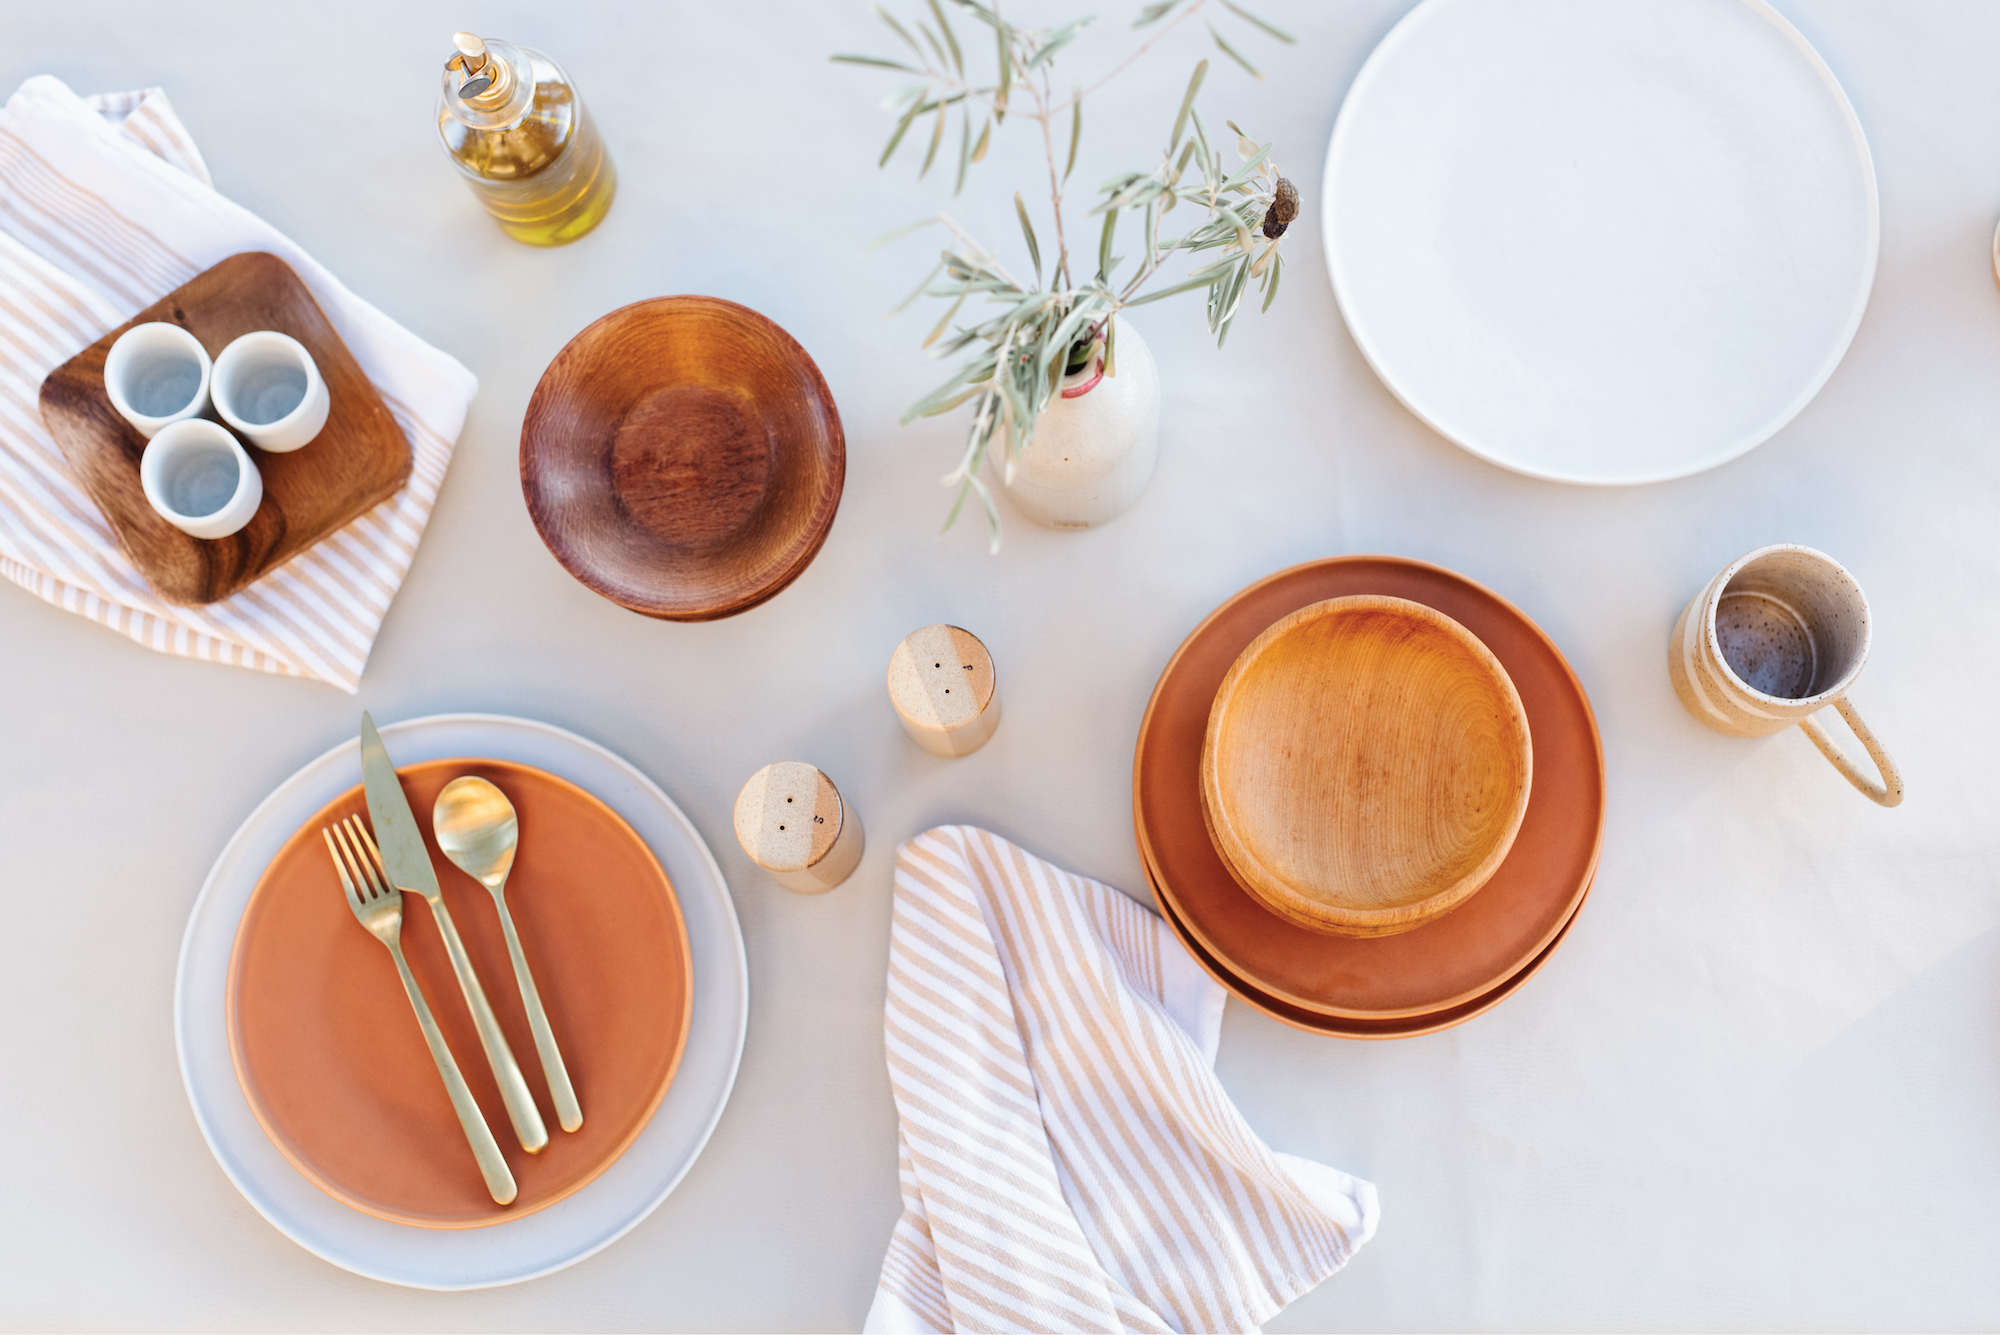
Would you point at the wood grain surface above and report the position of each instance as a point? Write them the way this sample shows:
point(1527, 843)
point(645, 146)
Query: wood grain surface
point(1366, 766)
point(683, 457)
point(359, 459)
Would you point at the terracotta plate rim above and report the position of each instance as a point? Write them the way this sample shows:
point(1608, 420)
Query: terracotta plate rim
point(248, 1084)
point(1330, 1026)
point(1165, 891)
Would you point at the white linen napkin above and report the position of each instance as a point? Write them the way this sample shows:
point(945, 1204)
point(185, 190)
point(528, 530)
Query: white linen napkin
point(1068, 1159)
point(105, 207)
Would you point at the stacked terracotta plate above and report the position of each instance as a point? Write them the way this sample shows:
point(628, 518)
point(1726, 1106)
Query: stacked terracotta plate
point(1466, 955)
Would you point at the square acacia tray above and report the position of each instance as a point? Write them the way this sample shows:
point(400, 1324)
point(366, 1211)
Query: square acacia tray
point(360, 459)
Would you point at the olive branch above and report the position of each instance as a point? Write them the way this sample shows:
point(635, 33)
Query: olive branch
point(1035, 332)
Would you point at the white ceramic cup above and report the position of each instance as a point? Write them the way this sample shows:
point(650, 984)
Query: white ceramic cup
point(268, 388)
point(1779, 635)
point(200, 478)
point(156, 374)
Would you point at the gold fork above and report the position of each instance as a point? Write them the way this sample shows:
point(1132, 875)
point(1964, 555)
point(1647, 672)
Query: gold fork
point(378, 906)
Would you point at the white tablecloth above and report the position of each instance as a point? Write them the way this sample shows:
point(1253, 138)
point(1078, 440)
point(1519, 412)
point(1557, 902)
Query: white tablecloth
point(1758, 1086)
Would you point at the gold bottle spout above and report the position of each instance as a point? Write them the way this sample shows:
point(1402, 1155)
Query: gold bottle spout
point(474, 69)
point(487, 84)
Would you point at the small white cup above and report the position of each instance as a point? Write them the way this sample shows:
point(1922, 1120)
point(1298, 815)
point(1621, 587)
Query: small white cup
point(200, 478)
point(156, 374)
point(267, 387)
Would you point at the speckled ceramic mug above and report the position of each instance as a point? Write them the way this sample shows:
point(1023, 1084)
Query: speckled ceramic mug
point(1778, 636)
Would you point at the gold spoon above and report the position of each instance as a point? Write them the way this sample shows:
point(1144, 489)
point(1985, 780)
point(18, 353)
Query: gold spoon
point(477, 829)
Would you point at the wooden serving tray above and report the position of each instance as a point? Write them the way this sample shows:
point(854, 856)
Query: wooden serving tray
point(360, 459)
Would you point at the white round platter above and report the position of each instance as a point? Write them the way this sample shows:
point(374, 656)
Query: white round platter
point(572, 1229)
point(1600, 242)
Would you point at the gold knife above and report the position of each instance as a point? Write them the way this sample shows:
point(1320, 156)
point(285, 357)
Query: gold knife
point(408, 862)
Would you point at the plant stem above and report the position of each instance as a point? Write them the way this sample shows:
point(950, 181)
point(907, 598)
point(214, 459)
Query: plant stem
point(1041, 97)
point(1159, 258)
point(1143, 48)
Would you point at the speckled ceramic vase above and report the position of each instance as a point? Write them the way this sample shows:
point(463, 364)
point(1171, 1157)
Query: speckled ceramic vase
point(1776, 637)
point(1095, 446)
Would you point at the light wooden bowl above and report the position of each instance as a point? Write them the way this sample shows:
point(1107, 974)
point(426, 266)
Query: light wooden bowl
point(682, 457)
point(1366, 766)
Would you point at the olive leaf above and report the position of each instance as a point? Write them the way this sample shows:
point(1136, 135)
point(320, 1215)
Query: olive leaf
point(1006, 70)
point(1271, 280)
point(964, 150)
point(1187, 104)
point(1234, 54)
point(937, 138)
point(1075, 130)
point(877, 62)
point(1028, 230)
point(1270, 29)
point(902, 128)
point(897, 28)
point(951, 38)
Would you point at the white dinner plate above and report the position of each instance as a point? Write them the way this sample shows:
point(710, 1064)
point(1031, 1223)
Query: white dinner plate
point(1600, 241)
point(572, 1229)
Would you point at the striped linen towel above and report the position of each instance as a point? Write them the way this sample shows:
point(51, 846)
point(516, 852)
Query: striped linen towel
point(1068, 1159)
point(105, 207)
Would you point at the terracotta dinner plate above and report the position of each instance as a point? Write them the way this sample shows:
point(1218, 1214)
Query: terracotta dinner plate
point(1298, 1017)
point(1443, 964)
point(328, 1052)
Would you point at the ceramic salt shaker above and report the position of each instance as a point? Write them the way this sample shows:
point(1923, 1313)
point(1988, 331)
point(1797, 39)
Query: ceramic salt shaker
point(793, 823)
point(942, 684)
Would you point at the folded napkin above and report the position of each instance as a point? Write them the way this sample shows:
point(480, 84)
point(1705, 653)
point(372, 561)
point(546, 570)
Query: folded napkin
point(1068, 1159)
point(105, 207)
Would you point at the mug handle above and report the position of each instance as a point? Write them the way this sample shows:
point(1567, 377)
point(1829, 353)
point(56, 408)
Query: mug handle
point(1889, 792)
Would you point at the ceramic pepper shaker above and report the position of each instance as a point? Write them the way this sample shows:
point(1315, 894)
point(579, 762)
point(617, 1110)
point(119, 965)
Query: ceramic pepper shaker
point(793, 823)
point(942, 683)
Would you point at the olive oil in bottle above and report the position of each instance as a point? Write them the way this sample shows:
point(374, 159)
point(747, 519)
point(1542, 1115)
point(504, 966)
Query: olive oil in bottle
point(515, 127)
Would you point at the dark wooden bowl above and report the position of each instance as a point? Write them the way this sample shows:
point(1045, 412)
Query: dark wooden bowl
point(682, 456)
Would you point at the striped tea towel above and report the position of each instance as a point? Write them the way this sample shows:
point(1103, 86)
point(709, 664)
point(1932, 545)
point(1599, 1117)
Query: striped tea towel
point(1068, 1159)
point(105, 207)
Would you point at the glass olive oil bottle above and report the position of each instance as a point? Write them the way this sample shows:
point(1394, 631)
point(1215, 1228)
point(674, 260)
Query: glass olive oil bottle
point(515, 127)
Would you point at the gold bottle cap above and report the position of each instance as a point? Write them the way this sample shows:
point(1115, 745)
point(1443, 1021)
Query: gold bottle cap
point(474, 76)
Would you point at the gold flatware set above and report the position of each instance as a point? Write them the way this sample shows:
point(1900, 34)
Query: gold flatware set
point(477, 829)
